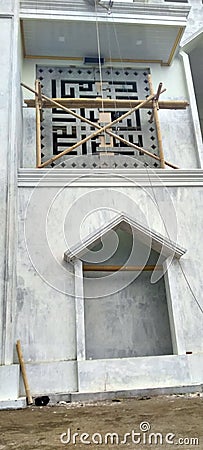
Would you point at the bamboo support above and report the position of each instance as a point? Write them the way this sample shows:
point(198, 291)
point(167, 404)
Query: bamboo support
point(156, 120)
point(95, 133)
point(77, 103)
point(24, 374)
point(156, 102)
point(106, 268)
point(95, 125)
point(119, 138)
point(159, 91)
point(38, 122)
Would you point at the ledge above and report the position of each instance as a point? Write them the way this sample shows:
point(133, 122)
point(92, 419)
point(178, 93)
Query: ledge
point(6, 15)
point(113, 395)
point(107, 178)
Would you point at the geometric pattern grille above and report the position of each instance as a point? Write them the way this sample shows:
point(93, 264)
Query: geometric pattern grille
point(60, 130)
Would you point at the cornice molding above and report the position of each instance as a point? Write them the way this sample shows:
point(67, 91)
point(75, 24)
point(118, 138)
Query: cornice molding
point(46, 7)
point(109, 178)
point(6, 15)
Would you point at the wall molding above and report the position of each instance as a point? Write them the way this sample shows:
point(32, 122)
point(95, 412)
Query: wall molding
point(108, 178)
point(6, 16)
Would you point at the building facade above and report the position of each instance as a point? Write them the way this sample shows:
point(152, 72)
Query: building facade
point(101, 249)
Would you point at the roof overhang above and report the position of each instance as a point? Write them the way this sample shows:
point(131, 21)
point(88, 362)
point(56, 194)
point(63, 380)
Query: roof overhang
point(193, 46)
point(159, 243)
point(135, 33)
point(193, 41)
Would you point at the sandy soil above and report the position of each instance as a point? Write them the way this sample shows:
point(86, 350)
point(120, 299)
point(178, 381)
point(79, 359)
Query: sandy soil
point(42, 427)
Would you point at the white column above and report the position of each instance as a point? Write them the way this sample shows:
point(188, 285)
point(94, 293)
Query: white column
point(193, 106)
point(79, 310)
point(175, 296)
point(10, 136)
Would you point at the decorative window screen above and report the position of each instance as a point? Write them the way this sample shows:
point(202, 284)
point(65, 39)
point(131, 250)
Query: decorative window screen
point(61, 130)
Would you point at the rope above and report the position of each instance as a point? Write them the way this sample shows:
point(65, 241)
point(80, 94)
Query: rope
point(99, 54)
point(134, 120)
point(110, 57)
point(120, 56)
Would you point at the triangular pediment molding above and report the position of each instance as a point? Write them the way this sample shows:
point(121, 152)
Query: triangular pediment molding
point(159, 243)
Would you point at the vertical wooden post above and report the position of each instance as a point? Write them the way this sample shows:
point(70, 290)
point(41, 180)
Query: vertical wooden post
point(157, 124)
point(24, 374)
point(79, 310)
point(38, 123)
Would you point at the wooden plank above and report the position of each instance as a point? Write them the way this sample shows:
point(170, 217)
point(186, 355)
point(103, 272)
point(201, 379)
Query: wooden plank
point(156, 121)
point(104, 118)
point(108, 103)
point(113, 268)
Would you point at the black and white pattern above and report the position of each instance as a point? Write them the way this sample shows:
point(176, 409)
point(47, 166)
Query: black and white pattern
point(60, 130)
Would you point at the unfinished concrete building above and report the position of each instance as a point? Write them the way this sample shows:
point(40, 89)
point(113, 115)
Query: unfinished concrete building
point(101, 192)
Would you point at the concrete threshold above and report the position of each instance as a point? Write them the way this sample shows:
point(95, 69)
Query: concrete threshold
point(75, 397)
point(20, 403)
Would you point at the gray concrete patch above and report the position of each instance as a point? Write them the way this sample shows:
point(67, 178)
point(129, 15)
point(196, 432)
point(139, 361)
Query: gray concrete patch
point(20, 403)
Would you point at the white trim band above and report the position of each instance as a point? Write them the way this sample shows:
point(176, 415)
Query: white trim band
point(109, 177)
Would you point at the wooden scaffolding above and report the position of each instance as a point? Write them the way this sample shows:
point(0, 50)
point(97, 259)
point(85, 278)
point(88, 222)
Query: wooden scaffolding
point(104, 125)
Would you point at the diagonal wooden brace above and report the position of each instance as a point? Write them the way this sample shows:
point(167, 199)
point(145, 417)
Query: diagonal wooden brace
point(96, 133)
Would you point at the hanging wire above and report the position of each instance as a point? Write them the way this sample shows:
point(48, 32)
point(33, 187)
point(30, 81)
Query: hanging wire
point(110, 58)
point(99, 54)
point(112, 80)
point(155, 199)
point(120, 57)
point(190, 287)
point(134, 119)
point(167, 232)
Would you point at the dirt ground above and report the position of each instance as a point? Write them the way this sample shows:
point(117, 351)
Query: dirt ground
point(165, 422)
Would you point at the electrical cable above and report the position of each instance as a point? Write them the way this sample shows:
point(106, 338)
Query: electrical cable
point(166, 228)
point(99, 54)
point(134, 120)
point(190, 287)
point(110, 58)
point(120, 57)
